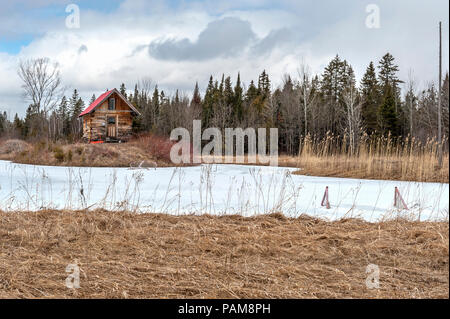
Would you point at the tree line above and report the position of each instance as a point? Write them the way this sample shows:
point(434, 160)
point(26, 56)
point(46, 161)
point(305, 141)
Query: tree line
point(304, 105)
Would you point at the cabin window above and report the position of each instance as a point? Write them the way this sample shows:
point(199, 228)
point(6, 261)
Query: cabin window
point(112, 104)
point(111, 120)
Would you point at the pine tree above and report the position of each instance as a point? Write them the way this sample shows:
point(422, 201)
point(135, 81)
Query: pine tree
point(196, 98)
point(135, 100)
point(19, 126)
point(221, 86)
point(335, 79)
point(64, 115)
point(3, 123)
point(32, 122)
point(155, 106)
point(92, 100)
point(388, 74)
point(238, 100)
point(370, 99)
point(252, 93)
point(208, 103)
point(389, 121)
point(264, 85)
point(73, 104)
point(226, 104)
point(76, 107)
point(123, 90)
point(389, 89)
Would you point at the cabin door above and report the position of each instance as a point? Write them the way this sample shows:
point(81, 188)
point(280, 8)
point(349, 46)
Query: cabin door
point(111, 130)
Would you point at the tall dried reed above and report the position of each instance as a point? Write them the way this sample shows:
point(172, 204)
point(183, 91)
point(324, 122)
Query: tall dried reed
point(382, 157)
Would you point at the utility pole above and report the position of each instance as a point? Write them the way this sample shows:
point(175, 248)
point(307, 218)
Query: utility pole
point(439, 96)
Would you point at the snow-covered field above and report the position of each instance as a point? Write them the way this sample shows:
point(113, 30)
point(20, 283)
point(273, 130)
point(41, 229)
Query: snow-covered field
point(215, 189)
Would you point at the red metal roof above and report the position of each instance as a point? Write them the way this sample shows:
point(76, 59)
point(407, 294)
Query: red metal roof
point(96, 102)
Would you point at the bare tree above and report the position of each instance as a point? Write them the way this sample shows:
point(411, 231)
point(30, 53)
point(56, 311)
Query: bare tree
point(42, 87)
point(306, 91)
point(353, 116)
point(410, 99)
point(145, 86)
point(42, 83)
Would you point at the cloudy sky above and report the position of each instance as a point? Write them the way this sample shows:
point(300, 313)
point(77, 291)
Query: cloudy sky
point(176, 43)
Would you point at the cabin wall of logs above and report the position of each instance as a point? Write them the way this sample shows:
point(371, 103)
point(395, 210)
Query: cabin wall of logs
point(105, 124)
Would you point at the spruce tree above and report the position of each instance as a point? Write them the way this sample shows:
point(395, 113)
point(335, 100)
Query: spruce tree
point(389, 120)
point(335, 80)
point(123, 90)
point(92, 100)
point(196, 100)
point(135, 100)
point(155, 107)
point(388, 74)
point(64, 115)
point(389, 89)
point(370, 99)
point(208, 103)
point(238, 100)
point(75, 105)
point(19, 127)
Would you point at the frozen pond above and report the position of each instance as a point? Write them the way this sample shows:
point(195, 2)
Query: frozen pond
point(214, 189)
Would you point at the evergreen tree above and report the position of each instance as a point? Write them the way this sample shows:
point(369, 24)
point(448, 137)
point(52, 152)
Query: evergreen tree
point(196, 98)
point(155, 106)
point(76, 107)
point(92, 100)
point(31, 122)
point(3, 123)
point(19, 126)
point(252, 93)
point(208, 103)
point(228, 98)
point(335, 79)
point(389, 121)
point(135, 100)
point(123, 90)
point(196, 103)
point(388, 74)
point(64, 115)
point(238, 99)
point(264, 85)
point(389, 87)
point(370, 99)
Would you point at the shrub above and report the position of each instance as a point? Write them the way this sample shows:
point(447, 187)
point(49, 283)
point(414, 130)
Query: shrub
point(69, 155)
point(58, 153)
point(14, 146)
point(157, 146)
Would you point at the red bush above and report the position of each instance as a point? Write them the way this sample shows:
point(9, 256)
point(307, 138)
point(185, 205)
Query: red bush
point(157, 146)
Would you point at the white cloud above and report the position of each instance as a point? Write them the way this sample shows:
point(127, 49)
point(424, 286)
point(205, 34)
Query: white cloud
point(111, 48)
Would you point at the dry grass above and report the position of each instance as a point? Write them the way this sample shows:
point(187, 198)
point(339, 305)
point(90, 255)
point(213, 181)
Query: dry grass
point(374, 158)
point(123, 255)
point(80, 154)
point(14, 146)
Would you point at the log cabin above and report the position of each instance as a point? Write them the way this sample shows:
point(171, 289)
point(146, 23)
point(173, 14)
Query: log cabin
point(109, 118)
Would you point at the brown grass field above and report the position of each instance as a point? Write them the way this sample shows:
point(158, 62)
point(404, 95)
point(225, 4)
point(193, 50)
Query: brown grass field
point(146, 151)
point(373, 158)
point(124, 255)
